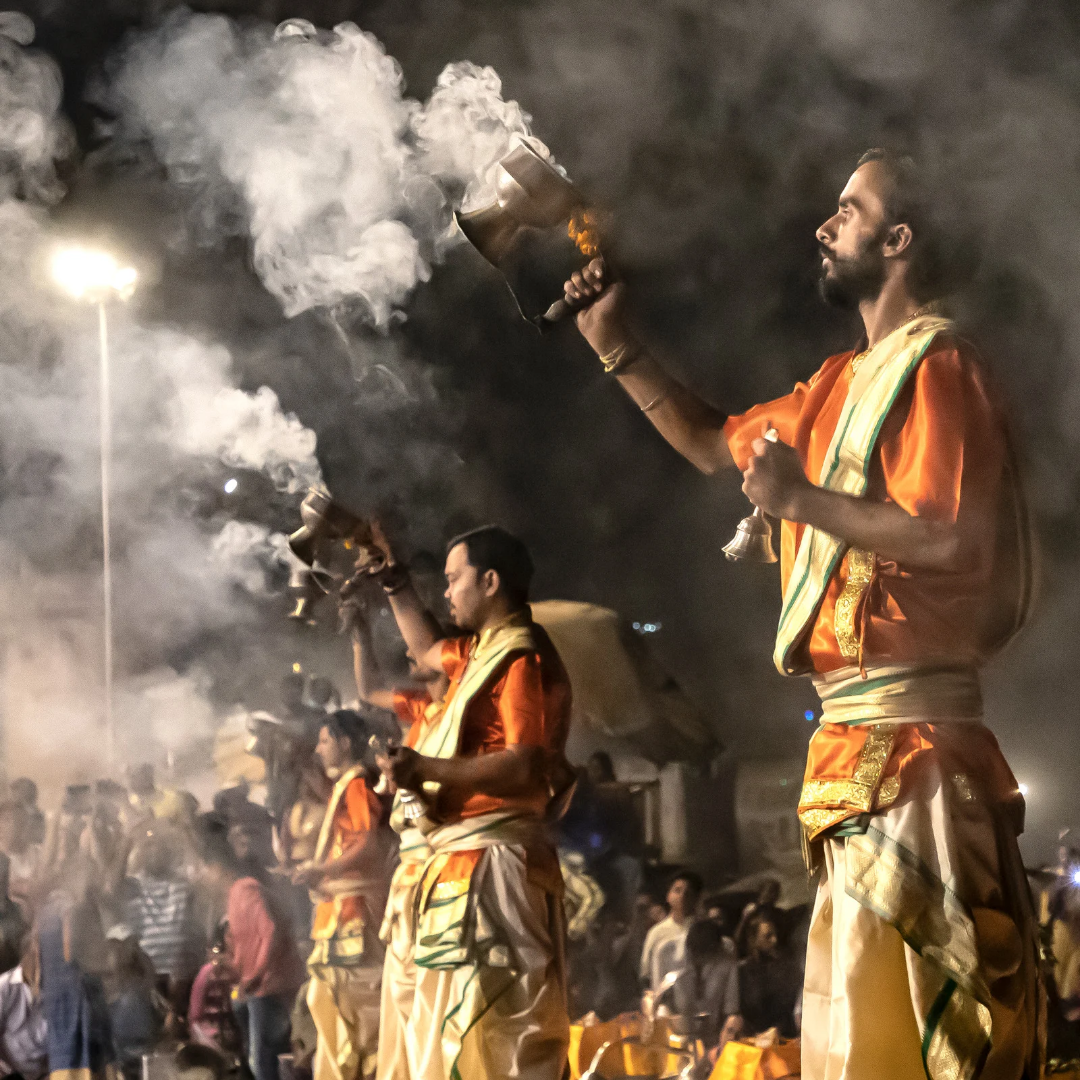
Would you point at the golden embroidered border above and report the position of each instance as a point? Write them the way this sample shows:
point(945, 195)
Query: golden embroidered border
point(824, 803)
point(860, 572)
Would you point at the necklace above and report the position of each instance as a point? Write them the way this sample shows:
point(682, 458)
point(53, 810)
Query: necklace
point(926, 309)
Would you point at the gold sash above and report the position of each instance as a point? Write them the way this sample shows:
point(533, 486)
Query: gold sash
point(873, 391)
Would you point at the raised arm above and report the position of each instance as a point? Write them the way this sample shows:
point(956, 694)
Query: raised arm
point(690, 425)
point(369, 686)
point(418, 627)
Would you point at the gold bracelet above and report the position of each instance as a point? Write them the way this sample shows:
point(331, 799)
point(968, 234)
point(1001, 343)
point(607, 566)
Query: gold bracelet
point(620, 358)
point(658, 400)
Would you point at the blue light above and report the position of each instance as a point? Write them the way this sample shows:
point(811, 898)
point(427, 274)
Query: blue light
point(809, 714)
point(1076, 877)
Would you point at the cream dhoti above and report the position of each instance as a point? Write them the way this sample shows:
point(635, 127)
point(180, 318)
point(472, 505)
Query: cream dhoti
point(922, 958)
point(399, 969)
point(490, 998)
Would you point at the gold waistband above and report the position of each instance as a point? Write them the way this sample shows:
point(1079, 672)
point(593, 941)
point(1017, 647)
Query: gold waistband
point(899, 694)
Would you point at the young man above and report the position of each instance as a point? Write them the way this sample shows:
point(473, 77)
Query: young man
point(904, 564)
point(490, 996)
point(417, 707)
point(663, 951)
point(347, 880)
point(262, 955)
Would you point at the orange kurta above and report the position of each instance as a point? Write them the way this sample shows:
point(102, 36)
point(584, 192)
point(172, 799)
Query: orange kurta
point(338, 924)
point(942, 454)
point(526, 704)
point(415, 708)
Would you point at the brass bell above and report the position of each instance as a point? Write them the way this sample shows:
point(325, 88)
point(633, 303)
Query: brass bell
point(752, 541)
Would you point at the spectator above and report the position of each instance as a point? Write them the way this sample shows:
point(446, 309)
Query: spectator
point(708, 981)
point(262, 956)
point(715, 912)
point(13, 923)
point(663, 951)
point(763, 904)
point(770, 983)
point(137, 1012)
point(71, 946)
point(25, 792)
point(24, 857)
point(210, 1014)
point(159, 908)
point(23, 1036)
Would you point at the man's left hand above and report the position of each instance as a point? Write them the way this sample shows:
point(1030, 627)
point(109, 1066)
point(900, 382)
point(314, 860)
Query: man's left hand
point(774, 479)
point(407, 769)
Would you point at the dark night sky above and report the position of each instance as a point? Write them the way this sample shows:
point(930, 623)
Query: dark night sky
point(718, 135)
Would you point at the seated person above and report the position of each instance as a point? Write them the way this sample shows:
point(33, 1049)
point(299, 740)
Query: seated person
point(770, 982)
point(137, 1012)
point(24, 1047)
point(210, 1013)
point(708, 981)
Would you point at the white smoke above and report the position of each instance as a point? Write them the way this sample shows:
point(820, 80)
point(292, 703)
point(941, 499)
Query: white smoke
point(344, 183)
point(181, 575)
point(247, 552)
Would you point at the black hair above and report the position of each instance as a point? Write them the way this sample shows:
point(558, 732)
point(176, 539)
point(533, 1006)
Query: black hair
point(704, 939)
point(692, 879)
point(491, 547)
point(350, 725)
point(214, 846)
point(944, 258)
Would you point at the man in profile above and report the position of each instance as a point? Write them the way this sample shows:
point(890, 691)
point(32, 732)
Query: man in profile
point(904, 567)
point(490, 998)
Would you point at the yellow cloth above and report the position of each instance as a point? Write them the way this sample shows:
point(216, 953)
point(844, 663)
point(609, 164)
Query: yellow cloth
point(344, 1005)
point(922, 955)
point(742, 1060)
point(500, 1011)
point(399, 967)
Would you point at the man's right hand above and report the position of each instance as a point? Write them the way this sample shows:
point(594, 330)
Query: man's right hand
point(601, 318)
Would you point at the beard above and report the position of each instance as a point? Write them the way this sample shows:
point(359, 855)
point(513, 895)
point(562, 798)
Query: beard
point(855, 278)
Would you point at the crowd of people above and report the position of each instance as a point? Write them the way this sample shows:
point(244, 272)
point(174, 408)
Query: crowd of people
point(316, 929)
point(379, 904)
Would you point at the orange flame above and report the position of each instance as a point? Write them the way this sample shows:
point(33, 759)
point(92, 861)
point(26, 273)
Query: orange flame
point(583, 231)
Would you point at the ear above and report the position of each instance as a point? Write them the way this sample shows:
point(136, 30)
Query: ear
point(898, 240)
point(491, 582)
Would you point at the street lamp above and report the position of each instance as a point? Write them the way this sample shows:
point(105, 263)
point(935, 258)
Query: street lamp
point(96, 278)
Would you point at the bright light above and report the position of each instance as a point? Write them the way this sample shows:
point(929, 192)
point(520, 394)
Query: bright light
point(1023, 788)
point(92, 275)
point(809, 715)
point(230, 486)
point(1076, 877)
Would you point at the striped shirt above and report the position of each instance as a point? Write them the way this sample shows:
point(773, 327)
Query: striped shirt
point(160, 913)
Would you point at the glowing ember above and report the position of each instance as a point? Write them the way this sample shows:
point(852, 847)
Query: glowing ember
point(583, 231)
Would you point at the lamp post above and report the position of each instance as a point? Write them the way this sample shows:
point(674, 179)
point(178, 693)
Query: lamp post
point(96, 278)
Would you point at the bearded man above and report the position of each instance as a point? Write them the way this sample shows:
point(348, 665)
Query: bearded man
point(487, 914)
point(904, 564)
